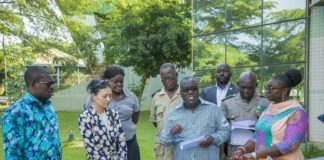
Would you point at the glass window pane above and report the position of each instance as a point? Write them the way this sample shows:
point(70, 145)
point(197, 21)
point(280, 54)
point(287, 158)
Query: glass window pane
point(279, 10)
point(243, 47)
point(284, 42)
point(208, 16)
point(209, 51)
point(243, 13)
point(205, 78)
point(269, 72)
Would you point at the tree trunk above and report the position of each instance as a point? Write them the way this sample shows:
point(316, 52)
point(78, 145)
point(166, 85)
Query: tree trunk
point(142, 87)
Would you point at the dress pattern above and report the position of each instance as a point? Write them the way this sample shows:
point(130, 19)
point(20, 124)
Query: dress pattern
point(102, 142)
point(284, 125)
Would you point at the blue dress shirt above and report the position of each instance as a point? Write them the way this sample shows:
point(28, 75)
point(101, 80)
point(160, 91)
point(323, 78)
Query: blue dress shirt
point(206, 119)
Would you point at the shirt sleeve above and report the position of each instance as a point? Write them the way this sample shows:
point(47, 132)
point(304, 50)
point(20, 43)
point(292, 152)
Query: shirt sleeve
point(121, 141)
point(136, 103)
point(13, 134)
point(153, 111)
point(223, 130)
point(88, 139)
point(224, 109)
point(297, 126)
point(166, 138)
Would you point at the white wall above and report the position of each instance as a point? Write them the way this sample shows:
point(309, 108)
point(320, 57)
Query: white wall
point(316, 74)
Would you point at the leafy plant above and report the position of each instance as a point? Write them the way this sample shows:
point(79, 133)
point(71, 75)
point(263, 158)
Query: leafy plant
point(313, 151)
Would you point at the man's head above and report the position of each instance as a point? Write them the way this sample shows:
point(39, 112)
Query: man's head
point(169, 76)
point(39, 82)
point(223, 74)
point(247, 84)
point(189, 92)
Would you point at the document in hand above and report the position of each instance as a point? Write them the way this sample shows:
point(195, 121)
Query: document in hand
point(242, 131)
point(191, 143)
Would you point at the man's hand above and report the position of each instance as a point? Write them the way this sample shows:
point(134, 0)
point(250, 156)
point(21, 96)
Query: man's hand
point(176, 129)
point(207, 142)
point(238, 154)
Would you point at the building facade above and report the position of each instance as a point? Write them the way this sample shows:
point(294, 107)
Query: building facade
point(267, 37)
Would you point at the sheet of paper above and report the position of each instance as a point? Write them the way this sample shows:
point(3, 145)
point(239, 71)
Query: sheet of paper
point(240, 136)
point(191, 143)
point(242, 131)
point(246, 124)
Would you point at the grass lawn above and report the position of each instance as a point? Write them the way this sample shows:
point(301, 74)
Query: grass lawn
point(68, 121)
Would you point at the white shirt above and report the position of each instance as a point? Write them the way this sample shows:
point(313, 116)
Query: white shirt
point(221, 93)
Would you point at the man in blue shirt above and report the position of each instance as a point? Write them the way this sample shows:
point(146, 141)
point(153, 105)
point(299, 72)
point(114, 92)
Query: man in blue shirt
point(195, 118)
point(30, 126)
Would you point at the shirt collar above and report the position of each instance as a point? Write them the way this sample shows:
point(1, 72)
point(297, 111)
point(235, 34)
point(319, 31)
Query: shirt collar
point(124, 94)
point(252, 99)
point(29, 99)
point(163, 91)
point(226, 86)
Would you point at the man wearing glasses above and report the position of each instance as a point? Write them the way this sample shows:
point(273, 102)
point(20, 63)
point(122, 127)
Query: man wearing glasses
point(163, 101)
point(30, 126)
point(195, 119)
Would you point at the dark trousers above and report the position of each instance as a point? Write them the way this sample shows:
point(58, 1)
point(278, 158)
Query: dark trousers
point(133, 152)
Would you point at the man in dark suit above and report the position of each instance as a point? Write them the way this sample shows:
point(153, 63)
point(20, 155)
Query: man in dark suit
point(223, 88)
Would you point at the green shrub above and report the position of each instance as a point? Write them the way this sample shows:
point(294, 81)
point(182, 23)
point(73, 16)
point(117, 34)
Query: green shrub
point(313, 151)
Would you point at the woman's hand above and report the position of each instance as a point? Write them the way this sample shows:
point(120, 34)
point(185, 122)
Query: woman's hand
point(249, 156)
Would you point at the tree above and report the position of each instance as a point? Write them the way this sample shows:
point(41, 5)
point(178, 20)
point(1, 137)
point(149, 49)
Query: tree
point(86, 44)
point(144, 34)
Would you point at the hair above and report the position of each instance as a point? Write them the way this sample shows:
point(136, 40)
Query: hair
point(291, 78)
point(188, 78)
point(112, 71)
point(34, 73)
point(168, 65)
point(95, 85)
point(226, 66)
point(248, 75)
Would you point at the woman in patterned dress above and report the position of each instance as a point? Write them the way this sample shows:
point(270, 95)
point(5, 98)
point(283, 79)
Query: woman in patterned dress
point(282, 127)
point(100, 126)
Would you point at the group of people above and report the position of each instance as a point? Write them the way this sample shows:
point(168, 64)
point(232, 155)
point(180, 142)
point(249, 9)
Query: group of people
point(180, 113)
point(206, 120)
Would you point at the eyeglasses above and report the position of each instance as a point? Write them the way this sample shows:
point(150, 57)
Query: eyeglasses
point(164, 79)
point(48, 83)
point(271, 88)
point(194, 89)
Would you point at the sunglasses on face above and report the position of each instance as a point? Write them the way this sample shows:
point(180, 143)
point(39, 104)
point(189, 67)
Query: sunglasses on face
point(48, 83)
point(164, 79)
point(187, 89)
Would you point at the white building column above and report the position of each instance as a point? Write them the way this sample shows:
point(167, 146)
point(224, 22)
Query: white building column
point(316, 73)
